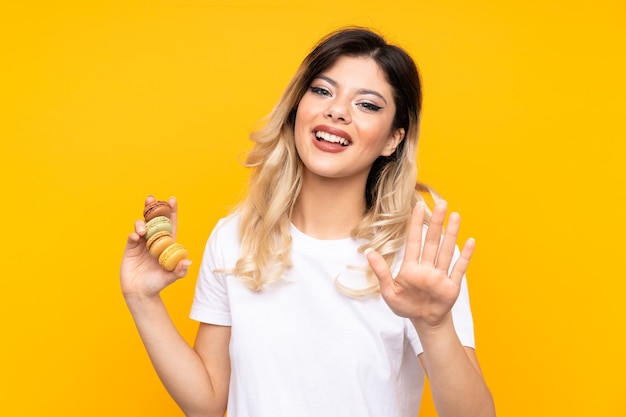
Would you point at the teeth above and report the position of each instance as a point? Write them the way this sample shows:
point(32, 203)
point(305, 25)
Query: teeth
point(331, 138)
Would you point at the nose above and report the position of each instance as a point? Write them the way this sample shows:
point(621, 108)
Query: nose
point(338, 111)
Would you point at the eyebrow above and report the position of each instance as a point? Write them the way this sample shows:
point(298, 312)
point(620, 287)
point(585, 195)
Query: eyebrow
point(360, 91)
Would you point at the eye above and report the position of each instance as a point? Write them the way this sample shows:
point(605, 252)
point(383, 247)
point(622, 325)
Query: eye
point(370, 106)
point(320, 91)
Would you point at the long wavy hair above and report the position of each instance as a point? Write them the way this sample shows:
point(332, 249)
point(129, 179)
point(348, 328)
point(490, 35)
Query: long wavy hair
point(391, 189)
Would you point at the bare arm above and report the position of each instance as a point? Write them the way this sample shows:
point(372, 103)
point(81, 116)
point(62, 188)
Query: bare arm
point(456, 381)
point(425, 291)
point(196, 379)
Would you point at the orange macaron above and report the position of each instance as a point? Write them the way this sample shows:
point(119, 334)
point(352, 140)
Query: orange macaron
point(158, 242)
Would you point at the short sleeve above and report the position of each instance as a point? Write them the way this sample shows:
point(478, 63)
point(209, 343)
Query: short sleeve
point(211, 302)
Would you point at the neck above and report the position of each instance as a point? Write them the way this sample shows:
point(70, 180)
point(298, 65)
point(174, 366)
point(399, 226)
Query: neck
point(329, 208)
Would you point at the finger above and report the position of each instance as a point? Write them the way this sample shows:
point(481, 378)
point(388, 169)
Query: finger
point(414, 236)
point(133, 244)
point(446, 251)
point(380, 268)
point(135, 239)
point(433, 235)
point(132, 241)
point(174, 216)
point(140, 227)
point(460, 266)
point(149, 199)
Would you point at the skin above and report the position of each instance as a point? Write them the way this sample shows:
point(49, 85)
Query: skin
point(197, 379)
point(352, 98)
point(333, 179)
point(425, 292)
point(422, 291)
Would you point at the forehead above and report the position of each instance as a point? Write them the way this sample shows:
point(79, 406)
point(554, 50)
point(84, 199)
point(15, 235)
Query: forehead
point(359, 72)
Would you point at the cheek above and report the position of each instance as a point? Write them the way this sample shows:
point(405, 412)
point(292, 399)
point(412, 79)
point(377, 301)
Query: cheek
point(299, 129)
point(374, 133)
point(304, 114)
point(297, 126)
point(305, 108)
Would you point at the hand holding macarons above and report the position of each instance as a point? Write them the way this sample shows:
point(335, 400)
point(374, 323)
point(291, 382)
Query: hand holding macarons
point(154, 238)
point(159, 239)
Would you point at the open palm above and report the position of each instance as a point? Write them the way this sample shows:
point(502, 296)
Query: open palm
point(425, 288)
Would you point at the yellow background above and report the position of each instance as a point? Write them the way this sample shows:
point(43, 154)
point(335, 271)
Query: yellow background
point(104, 102)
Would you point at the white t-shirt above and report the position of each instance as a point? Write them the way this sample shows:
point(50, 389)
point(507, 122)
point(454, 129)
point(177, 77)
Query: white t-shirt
point(300, 348)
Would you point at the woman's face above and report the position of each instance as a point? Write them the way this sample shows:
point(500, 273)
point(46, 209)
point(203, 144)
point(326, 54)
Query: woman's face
point(344, 120)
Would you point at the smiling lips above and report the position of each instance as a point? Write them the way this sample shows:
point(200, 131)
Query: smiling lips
point(331, 138)
point(332, 135)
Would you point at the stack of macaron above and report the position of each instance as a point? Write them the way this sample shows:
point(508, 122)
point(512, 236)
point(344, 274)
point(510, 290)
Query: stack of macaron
point(159, 240)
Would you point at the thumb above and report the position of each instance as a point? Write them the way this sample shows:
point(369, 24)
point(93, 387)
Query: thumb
point(379, 266)
point(181, 270)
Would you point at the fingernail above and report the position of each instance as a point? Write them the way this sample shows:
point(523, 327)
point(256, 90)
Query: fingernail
point(367, 251)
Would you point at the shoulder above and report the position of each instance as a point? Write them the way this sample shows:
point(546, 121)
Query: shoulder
point(228, 223)
point(226, 228)
point(224, 238)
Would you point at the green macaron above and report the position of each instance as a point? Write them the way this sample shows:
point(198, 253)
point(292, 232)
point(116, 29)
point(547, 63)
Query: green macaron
point(158, 224)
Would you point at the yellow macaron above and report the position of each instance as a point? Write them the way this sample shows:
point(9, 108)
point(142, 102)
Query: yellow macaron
point(172, 255)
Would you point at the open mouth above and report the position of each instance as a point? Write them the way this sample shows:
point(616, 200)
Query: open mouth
point(328, 137)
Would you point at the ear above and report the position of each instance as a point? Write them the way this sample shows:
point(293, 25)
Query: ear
point(392, 143)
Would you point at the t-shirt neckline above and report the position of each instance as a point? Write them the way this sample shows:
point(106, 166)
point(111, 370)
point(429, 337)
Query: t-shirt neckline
point(324, 245)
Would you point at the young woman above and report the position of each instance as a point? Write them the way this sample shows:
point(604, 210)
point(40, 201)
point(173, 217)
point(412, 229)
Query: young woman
point(324, 293)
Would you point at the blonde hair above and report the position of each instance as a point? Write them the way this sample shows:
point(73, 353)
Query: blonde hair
point(276, 179)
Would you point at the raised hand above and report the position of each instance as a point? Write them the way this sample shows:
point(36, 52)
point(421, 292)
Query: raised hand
point(140, 273)
point(425, 288)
